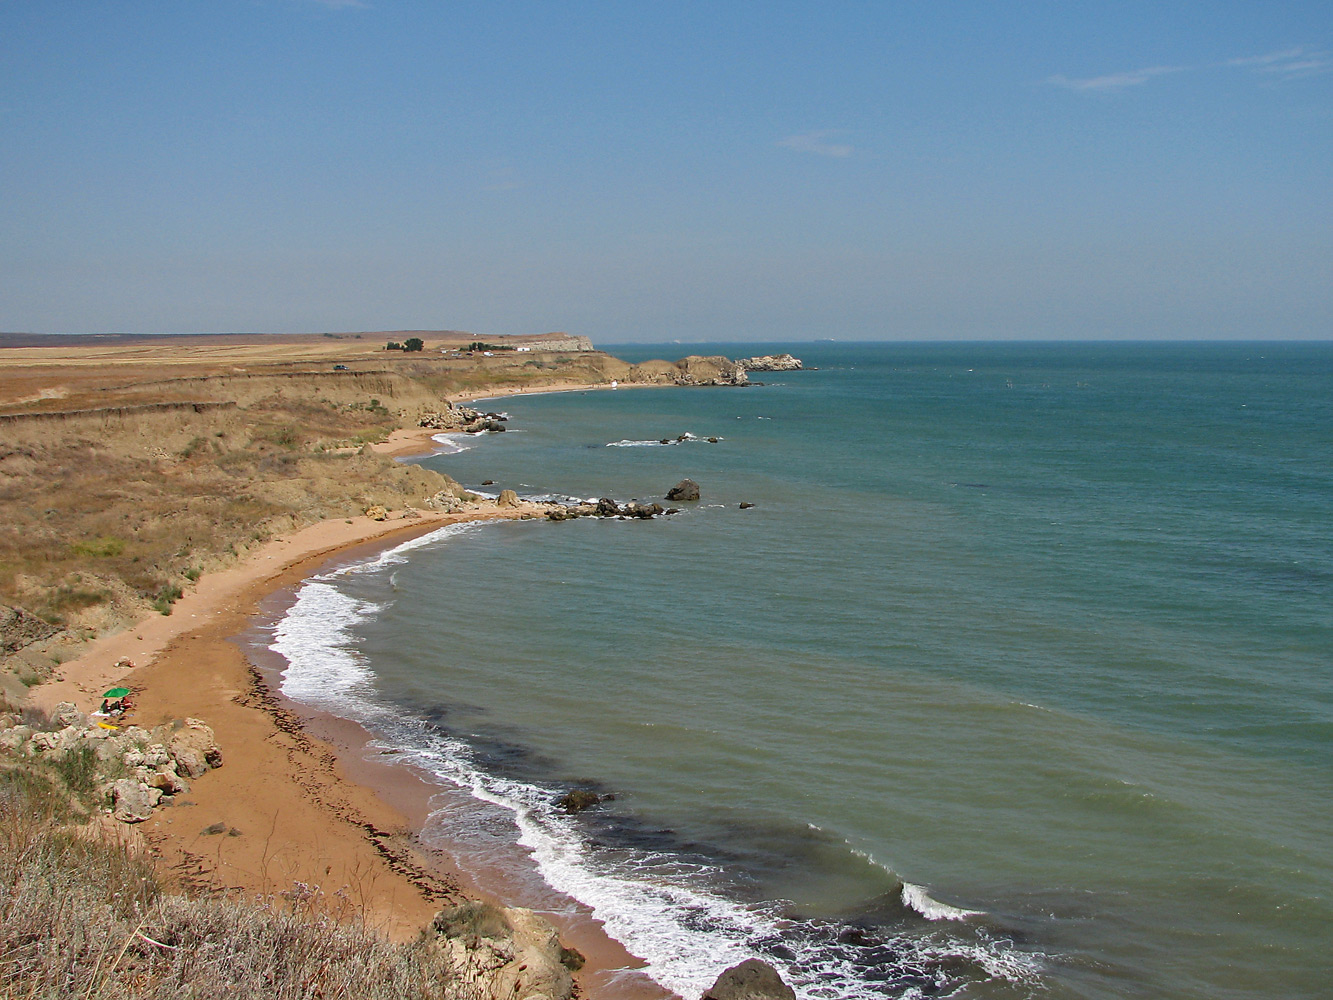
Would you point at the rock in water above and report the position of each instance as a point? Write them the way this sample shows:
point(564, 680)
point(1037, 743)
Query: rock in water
point(578, 799)
point(751, 980)
point(686, 489)
point(771, 363)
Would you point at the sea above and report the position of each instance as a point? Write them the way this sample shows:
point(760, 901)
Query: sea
point(1015, 681)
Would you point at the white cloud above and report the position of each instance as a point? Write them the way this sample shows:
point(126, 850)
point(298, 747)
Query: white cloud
point(1113, 82)
point(1299, 60)
point(815, 142)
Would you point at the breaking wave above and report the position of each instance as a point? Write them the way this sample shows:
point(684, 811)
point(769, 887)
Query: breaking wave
point(670, 909)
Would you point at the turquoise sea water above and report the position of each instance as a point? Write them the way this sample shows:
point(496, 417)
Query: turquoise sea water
point(1016, 681)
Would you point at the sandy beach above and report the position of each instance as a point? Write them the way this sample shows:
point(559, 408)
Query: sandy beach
point(301, 803)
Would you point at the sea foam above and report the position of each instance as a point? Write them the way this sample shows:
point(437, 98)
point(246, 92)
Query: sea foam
point(664, 909)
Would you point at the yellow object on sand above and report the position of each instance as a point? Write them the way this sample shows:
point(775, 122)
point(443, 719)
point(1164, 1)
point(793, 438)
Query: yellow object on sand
point(107, 725)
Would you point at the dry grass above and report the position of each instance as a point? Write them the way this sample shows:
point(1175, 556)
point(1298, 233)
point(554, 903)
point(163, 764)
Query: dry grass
point(104, 522)
point(81, 917)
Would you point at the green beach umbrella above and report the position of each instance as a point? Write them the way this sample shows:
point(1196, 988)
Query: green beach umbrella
point(117, 693)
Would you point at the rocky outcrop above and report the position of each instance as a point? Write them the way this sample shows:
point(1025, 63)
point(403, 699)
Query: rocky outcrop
point(751, 980)
point(501, 952)
point(377, 513)
point(686, 489)
point(133, 801)
point(715, 370)
point(19, 628)
point(194, 748)
point(605, 507)
point(508, 498)
point(137, 768)
point(771, 363)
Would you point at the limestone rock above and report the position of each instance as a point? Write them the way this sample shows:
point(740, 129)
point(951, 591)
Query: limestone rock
point(132, 801)
point(771, 363)
point(167, 781)
point(66, 714)
point(508, 498)
point(716, 370)
point(505, 952)
point(377, 513)
point(194, 748)
point(751, 980)
point(686, 489)
point(444, 501)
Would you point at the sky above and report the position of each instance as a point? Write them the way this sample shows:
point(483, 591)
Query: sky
point(640, 171)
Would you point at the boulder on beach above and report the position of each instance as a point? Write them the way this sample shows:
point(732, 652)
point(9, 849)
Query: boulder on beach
point(508, 498)
point(504, 951)
point(751, 980)
point(686, 489)
point(133, 801)
point(377, 513)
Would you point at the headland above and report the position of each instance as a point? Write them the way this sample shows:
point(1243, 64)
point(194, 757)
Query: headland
point(161, 490)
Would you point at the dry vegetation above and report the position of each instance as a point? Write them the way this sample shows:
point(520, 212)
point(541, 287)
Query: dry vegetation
point(122, 513)
point(130, 466)
point(83, 916)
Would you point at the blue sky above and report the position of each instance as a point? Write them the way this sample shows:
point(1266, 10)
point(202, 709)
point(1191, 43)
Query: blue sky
point(693, 171)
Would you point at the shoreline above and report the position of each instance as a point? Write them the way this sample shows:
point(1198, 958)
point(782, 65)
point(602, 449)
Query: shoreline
point(419, 442)
point(309, 805)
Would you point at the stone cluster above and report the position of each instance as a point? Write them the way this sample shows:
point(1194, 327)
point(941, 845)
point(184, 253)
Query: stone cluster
point(137, 768)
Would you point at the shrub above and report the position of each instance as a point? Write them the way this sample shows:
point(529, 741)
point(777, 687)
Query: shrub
point(105, 547)
point(166, 597)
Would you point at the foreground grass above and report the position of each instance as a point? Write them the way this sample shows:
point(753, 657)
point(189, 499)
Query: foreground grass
point(81, 917)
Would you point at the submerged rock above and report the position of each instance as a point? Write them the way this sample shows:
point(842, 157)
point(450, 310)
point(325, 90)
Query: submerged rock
point(578, 799)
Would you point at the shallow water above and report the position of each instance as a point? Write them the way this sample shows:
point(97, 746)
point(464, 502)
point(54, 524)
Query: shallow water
point(1014, 682)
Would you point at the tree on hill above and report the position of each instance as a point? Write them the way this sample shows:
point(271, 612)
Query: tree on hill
point(413, 344)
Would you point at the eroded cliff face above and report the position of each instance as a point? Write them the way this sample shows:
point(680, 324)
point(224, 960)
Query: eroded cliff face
point(110, 512)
